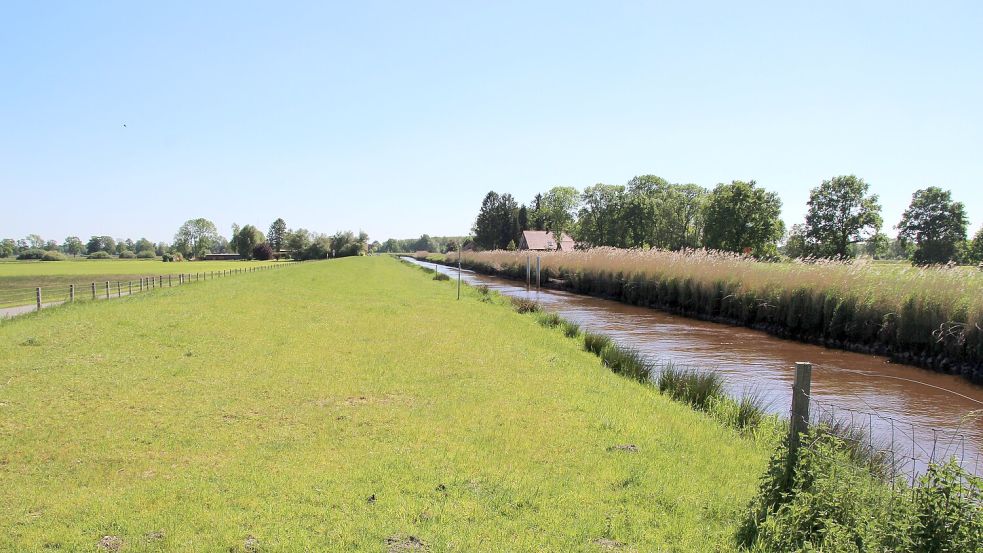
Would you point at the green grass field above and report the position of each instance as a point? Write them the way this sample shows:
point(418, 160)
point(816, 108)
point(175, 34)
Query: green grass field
point(344, 405)
point(19, 279)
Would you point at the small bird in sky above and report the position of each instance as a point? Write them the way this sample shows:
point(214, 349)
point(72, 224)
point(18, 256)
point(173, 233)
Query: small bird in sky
point(124, 125)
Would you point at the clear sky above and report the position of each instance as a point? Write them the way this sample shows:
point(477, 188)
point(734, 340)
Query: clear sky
point(397, 118)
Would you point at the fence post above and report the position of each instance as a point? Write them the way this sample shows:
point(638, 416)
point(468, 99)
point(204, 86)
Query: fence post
point(39, 298)
point(538, 274)
point(129, 284)
point(800, 409)
point(93, 290)
point(71, 293)
point(169, 283)
point(459, 274)
point(107, 289)
point(119, 289)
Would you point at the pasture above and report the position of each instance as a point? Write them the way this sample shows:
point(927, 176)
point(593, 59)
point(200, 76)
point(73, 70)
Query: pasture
point(345, 405)
point(18, 279)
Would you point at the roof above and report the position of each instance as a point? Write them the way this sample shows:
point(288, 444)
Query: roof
point(544, 240)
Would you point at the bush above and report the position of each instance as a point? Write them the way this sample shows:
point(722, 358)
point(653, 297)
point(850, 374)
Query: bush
point(146, 254)
point(53, 256)
point(127, 254)
point(32, 253)
point(441, 276)
point(99, 255)
point(263, 252)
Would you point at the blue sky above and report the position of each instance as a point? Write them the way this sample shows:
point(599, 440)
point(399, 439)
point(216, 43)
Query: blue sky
point(397, 118)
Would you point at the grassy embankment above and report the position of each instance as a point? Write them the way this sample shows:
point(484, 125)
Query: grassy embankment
point(928, 316)
point(18, 279)
point(345, 405)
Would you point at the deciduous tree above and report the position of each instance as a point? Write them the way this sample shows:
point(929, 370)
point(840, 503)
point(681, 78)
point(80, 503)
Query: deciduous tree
point(935, 223)
point(195, 237)
point(743, 218)
point(841, 213)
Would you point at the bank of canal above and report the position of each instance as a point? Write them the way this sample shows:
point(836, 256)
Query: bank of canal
point(924, 413)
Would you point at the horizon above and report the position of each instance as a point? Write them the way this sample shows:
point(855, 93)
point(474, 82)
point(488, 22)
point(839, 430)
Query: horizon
point(397, 120)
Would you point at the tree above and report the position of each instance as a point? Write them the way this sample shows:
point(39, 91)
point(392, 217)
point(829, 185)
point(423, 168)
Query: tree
point(246, 240)
point(143, 245)
point(497, 223)
point(262, 252)
point(277, 234)
point(73, 246)
point(558, 209)
point(297, 241)
point(743, 218)
point(975, 250)
point(935, 223)
point(195, 237)
point(100, 244)
point(796, 243)
point(841, 213)
point(601, 219)
point(34, 241)
point(7, 247)
point(425, 244)
point(345, 243)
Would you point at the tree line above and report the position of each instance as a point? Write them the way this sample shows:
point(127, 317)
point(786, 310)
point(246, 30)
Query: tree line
point(843, 220)
point(196, 238)
point(425, 243)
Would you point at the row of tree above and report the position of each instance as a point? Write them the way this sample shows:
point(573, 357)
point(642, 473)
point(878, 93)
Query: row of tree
point(843, 220)
point(425, 243)
point(198, 237)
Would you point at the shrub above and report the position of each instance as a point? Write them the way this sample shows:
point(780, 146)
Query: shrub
point(441, 276)
point(263, 252)
point(53, 256)
point(32, 253)
point(99, 255)
point(146, 254)
point(127, 254)
point(167, 258)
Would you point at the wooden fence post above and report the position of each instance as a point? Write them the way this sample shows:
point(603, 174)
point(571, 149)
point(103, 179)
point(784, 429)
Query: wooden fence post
point(119, 289)
point(93, 290)
point(129, 284)
point(71, 293)
point(801, 390)
point(39, 298)
point(107, 289)
point(169, 282)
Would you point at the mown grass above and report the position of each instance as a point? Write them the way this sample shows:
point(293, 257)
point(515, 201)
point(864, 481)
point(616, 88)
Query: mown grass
point(18, 279)
point(339, 405)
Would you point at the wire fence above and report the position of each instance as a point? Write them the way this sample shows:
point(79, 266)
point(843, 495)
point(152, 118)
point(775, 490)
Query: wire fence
point(899, 452)
point(16, 301)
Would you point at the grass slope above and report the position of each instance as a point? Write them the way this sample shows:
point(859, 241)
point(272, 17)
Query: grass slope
point(335, 406)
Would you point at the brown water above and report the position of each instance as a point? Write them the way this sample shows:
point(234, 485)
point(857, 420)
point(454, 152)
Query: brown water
point(925, 415)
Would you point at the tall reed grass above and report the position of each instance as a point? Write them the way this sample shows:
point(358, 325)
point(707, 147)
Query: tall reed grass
point(931, 316)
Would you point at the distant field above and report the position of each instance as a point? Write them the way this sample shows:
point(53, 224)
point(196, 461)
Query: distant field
point(18, 279)
point(345, 406)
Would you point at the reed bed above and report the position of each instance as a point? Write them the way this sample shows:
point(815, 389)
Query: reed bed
point(931, 316)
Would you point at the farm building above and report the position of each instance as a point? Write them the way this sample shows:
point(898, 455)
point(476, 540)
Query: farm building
point(222, 256)
point(541, 240)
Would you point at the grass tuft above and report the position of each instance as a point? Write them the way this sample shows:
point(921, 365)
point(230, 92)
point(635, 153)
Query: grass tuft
point(699, 389)
point(523, 305)
point(595, 343)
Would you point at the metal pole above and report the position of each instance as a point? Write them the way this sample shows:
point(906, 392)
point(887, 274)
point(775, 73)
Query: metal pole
point(528, 271)
point(459, 273)
point(538, 274)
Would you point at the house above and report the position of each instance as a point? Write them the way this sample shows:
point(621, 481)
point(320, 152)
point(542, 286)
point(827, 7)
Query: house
point(541, 240)
point(222, 256)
